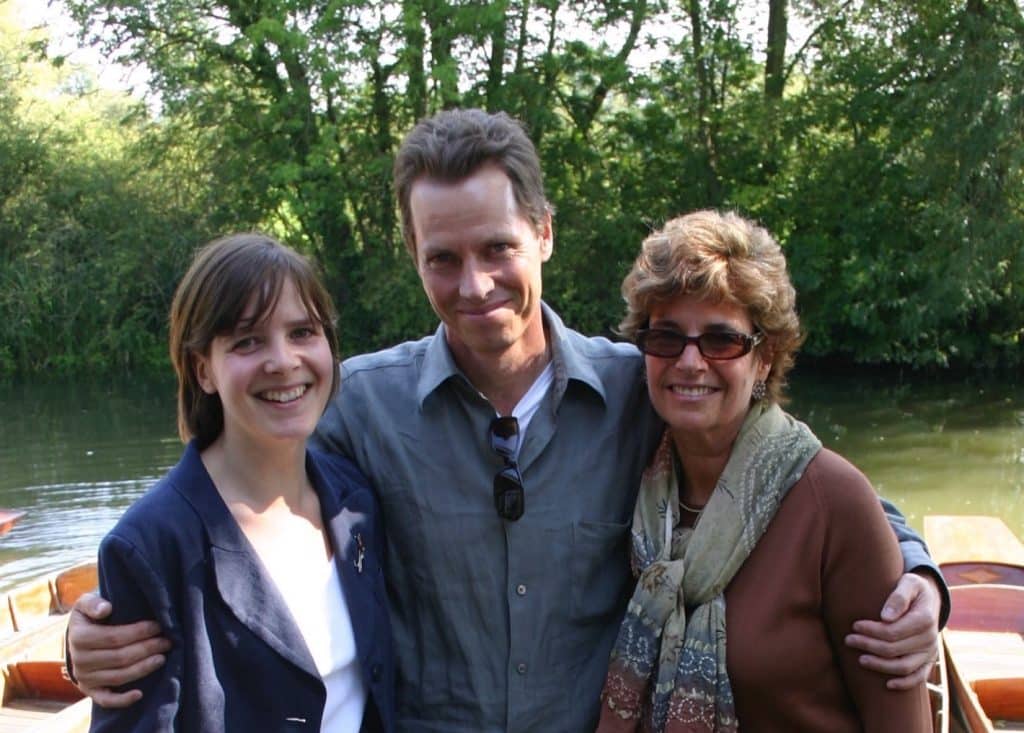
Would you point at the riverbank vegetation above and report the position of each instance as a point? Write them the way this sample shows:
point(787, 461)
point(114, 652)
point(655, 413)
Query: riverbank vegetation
point(883, 142)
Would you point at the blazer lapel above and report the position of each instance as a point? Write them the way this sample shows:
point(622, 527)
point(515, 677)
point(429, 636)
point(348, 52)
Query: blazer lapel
point(349, 524)
point(243, 583)
point(255, 601)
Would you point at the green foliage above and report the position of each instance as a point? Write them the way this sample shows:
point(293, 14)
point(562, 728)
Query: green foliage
point(911, 250)
point(892, 166)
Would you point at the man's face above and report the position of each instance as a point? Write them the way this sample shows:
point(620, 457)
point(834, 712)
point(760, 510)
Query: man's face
point(480, 262)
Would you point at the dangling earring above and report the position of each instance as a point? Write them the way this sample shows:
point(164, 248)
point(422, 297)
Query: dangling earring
point(758, 391)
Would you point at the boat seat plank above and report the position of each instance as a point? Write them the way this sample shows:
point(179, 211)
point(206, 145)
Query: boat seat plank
point(72, 719)
point(72, 583)
point(18, 721)
point(986, 654)
point(1002, 699)
point(30, 605)
point(987, 608)
point(955, 539)
point(993, 665)
point(41, 679)
point(45, 640)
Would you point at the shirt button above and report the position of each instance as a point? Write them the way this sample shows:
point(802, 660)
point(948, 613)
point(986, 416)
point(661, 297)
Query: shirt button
point(521, 590)
point(521, 668)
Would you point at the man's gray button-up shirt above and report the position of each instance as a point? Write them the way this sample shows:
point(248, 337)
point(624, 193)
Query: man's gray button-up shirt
point(471, 655)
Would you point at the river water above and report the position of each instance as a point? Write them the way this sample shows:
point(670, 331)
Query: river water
point(73, 456)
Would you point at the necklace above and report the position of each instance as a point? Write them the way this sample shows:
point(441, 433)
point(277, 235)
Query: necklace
point(695, 510)
point(691, 509)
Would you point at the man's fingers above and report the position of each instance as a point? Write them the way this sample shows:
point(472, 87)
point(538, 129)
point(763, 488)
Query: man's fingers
point(905, 672)
point(109, 699)
point(908, 589)
point(107, 667)
point(85, 634)
point(910, 681)
point(917, 625)
point(876, 637)
point(920, 644)
point(895, 606)
point(904, 644)
point(92, 606)
point(102, 677)
point(130, 638)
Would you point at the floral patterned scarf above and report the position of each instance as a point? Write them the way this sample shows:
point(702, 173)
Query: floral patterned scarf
point(667, 670)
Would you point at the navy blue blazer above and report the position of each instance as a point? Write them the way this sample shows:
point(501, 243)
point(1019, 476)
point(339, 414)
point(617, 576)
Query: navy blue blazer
point(239, 662)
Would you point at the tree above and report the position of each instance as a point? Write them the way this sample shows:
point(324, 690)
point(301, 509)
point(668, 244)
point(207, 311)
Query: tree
point(885, 151)
point(911, 251)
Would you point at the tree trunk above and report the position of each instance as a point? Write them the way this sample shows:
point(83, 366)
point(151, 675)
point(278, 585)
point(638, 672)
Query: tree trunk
point(496, 62)
point(705, 94)
point(415, 38)
point(775, 60)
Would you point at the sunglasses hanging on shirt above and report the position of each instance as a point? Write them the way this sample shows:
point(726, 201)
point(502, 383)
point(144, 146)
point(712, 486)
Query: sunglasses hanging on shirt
point(509, 498)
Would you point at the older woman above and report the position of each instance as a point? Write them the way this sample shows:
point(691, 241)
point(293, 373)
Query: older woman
point(755, 548)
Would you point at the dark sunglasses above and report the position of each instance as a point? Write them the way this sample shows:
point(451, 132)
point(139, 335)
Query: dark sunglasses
point(718, 345)
point(509, 498)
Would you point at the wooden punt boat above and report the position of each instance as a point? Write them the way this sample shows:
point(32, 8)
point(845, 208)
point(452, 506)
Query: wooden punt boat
point(7, 519)
point(35, 696)
point(983, 563)
point(38, 699)
point(938, 694)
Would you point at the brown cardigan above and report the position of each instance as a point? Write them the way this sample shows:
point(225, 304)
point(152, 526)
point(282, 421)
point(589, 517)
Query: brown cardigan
point(828, 558)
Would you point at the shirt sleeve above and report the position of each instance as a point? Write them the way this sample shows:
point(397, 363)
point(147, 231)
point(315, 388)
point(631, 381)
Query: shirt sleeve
point(861, 564)
point(137, 592)
point(332, 431)
point(915, 556)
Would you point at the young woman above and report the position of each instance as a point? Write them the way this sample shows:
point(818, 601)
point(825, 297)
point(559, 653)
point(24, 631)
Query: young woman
point(258, 557)
point(755, 548)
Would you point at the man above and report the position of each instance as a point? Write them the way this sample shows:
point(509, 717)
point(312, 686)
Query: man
point(507, 562)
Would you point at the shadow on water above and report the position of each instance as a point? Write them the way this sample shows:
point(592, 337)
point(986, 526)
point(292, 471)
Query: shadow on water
point(75, 455)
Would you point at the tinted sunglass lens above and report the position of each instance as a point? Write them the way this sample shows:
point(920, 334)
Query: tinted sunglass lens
point(722, 345)
point(662, 343)
point(504, 436)
point(508, 495)
point(505, 427)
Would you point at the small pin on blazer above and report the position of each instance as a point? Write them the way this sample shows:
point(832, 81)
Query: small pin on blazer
point(360, 553)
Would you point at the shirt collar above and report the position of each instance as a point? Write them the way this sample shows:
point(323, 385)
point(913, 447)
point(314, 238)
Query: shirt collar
point(569, 362)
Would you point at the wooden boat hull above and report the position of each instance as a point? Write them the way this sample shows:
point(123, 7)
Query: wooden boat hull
point(8, 517)
point(983, 563)
point(35, 696)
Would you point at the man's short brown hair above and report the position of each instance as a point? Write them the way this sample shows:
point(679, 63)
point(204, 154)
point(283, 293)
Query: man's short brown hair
point(454, 144)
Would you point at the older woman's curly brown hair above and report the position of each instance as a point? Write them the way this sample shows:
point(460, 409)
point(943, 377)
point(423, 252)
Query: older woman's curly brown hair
point(721, 257)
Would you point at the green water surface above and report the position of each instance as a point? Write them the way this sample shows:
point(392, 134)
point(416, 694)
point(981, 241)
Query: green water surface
point(74, 456)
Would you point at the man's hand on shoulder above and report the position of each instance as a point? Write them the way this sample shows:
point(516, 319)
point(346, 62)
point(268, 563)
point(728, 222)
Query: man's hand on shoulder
point(102, 657)
point(904, 643)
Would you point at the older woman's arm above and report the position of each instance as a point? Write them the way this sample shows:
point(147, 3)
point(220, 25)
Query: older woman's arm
point(902, 640)
point(861, 563)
